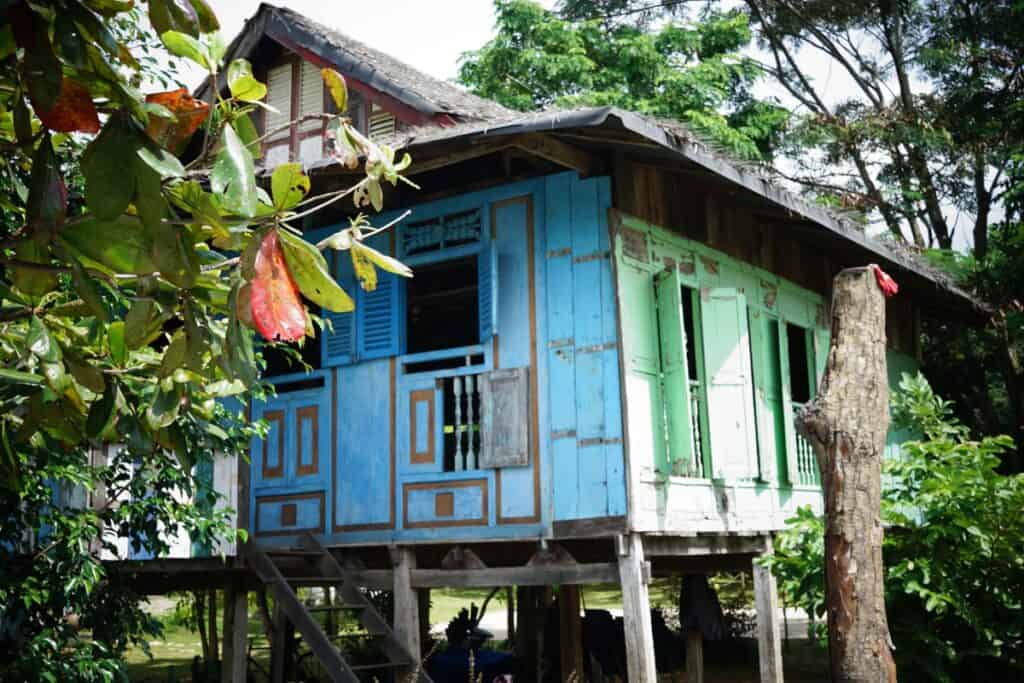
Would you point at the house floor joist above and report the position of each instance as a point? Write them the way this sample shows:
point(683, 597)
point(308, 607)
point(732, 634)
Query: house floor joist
point(630, 560)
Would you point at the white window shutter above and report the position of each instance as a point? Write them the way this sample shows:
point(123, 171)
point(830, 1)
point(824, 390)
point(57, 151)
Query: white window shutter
point(279, 96)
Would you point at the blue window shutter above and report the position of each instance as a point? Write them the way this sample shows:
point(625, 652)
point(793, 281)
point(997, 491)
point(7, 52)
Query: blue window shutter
point(338, 347)
point(487, 290)
point(379, 313)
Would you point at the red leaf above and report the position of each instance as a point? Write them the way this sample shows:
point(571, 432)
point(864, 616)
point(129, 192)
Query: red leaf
point(73, 110)
point(174, 134)
point(885, 282)
point(276, 308)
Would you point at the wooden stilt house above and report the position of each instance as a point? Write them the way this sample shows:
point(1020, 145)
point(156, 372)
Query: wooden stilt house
point(591, 378)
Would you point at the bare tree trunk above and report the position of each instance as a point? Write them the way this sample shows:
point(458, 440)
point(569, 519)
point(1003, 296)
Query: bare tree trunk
point(846, 423)
point(200, 614)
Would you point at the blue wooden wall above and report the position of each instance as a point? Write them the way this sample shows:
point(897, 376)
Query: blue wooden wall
point(379, 474)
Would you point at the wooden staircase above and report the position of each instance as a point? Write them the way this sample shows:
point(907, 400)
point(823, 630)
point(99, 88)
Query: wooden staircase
point(322, 569)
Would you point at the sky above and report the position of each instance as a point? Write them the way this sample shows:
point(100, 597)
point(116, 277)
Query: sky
point(428, 34)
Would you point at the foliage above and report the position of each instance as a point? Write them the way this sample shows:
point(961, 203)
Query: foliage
point(692, 71)
point(930, 119)
point(126, 343)
point(954, 574)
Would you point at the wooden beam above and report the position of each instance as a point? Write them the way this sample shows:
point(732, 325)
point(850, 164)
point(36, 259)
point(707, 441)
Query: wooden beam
point(598, 572)
point(407, 609)
point(554, 150)
point(636, 610)
point(769, 641)
point(676, 546)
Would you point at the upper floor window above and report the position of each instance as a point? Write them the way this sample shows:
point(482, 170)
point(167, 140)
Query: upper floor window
point(294, 89)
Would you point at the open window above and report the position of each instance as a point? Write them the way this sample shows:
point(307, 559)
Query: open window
point(442, 306)
point(800, 376)
point(801, 364)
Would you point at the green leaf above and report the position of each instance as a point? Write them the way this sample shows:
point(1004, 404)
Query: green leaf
point(47, 199)
point(175, 255)
point(101, 412)
point(40, 343)
point(160, 160)
point(311, 273)
point(164, 409)
point(234, 175)
point(241, 358)
point(115, 340)
point(184, 45)
point(88, 290)
point(174, 355)
point(108, 165)
point(204, 13)
point(242, 84)
point(149, 199)
point(84, 372)
point(174, 15)
point(34, 283)
point(19, 377)
point(336, 86)
point(288, 185)
point(247, 132)
point(121, 246)
point(143, 323)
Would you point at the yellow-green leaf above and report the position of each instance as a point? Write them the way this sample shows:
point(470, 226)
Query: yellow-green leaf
point(288, 185)
point(336, 86)
point(382, 261)
point(242, 84)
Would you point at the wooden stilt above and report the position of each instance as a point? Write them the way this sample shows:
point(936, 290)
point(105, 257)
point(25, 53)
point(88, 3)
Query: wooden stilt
point(279, 647)
point(527, 620)
point(636, 610)
point(407, 616)
point(234, 664)
point(769, 641)
point(694, 657)
point(510, 610)
point(423, 598)
point(571, 632)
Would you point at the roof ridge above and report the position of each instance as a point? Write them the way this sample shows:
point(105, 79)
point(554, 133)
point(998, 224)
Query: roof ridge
point(444, 95)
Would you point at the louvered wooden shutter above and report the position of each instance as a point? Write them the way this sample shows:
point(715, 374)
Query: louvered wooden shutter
point(381, 124)
point(726, 343)
point(311, 96)
point(339, 346)
point(789, 427)
point(380, 327)
point(279, 96)
point(675, 373)
point(487, 290)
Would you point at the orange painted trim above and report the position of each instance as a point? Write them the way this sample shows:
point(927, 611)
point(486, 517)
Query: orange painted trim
point(416, 397)
point(316, 495)
point(278, 471)
point(442, 485)
point(311, 413)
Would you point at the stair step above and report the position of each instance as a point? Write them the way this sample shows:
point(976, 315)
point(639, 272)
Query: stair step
point(315, 580)
point(381, 665)
point(334, 608)
point(293, 552)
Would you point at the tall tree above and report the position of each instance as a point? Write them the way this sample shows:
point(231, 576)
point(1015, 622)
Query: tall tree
point(125, 332)
point(692, 71)
point(921, 135)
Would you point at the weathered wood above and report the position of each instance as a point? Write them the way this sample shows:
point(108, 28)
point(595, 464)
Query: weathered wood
point(594, 526)
point(846, 423)
point(562, 153)
point(423, 599)
point(769, 641)
point(694, 657)
point(677, 546)
point(278, 646)
point(510, 613)
point(636, 610)
point(407, 615)
point(236, 635)
point(571, 632)
point(598, 572)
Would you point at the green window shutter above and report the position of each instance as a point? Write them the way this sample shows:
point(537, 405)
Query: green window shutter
point(642, 361)
point(822, 338)
point(768, 402)
point(726, 343)
point(675, 374)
